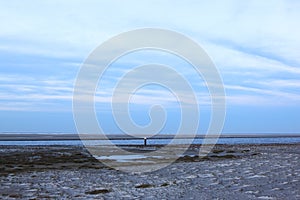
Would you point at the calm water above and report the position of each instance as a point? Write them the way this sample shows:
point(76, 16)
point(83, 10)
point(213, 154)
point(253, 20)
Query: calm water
point(269, 140)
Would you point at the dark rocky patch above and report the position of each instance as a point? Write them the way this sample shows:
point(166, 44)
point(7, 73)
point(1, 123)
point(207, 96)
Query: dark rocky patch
point(146, 185)
point(98, 191)
point(164, 184)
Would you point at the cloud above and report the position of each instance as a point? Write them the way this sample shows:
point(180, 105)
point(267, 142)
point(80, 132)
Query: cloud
point(290, 83)
point(245, 95)
point(255, 46)
point(20, 92)
point(80, 26)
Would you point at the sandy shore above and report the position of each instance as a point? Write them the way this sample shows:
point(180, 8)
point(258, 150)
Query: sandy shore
point(229, 172)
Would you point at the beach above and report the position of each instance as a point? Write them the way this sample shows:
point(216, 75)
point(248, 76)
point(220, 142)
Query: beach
point(263, 171)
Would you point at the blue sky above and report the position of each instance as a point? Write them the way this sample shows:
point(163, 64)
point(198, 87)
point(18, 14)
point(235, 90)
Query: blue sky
point(255, 46)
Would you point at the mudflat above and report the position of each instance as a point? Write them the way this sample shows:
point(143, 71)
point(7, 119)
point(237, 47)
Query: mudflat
point(228, 172)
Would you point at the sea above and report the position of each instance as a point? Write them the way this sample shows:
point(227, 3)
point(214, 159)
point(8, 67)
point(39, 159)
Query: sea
point(154, 141)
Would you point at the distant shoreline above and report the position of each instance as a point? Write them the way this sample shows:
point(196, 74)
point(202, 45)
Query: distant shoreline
point(59, 136)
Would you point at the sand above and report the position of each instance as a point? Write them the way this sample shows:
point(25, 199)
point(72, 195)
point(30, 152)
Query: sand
point(229, 172)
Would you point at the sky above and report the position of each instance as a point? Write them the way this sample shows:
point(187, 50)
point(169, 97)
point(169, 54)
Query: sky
point(255, 46)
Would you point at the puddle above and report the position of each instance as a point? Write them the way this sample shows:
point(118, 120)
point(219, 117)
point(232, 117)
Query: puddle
point(126, 158)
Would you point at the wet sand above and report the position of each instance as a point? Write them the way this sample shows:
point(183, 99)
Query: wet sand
point(229, 172)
